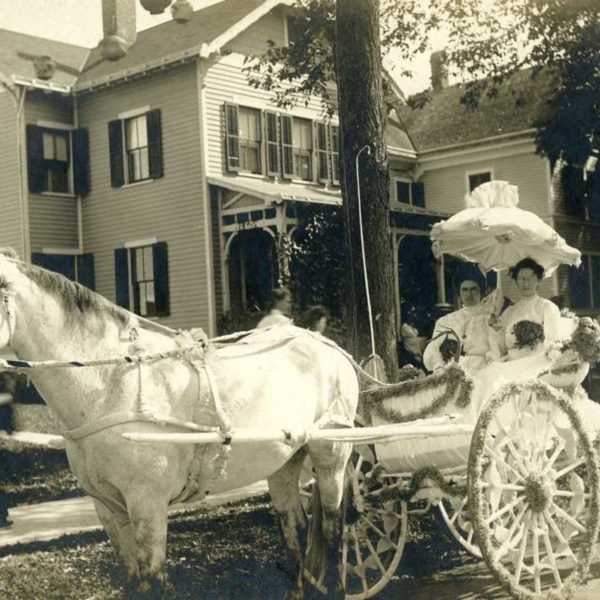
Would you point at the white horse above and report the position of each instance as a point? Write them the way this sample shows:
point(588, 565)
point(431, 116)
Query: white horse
point(290, 385)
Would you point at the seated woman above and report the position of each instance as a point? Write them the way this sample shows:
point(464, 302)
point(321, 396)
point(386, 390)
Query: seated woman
point(528, 331)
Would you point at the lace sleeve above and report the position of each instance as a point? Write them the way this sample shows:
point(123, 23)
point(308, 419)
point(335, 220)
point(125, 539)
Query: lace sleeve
point(552, 321)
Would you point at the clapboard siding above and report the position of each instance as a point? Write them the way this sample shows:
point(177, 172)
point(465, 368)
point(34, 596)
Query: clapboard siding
point(48, 107)
point(52, 219)
point(445, 187)
point(11, 233)
point(253, 41)
point(171, 208)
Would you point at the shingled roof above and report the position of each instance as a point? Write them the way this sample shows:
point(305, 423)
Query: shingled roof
point(171, 38)
point(18, 49)
point(444, 121)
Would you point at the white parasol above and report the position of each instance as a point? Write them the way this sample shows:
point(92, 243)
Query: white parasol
point(493, 232)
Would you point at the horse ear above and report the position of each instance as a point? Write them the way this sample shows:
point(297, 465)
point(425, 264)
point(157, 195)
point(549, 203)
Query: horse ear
point(10, 252)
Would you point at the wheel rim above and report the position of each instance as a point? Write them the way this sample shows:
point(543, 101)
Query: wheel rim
point(533, 489)
point(456, 515)
point(373, 545)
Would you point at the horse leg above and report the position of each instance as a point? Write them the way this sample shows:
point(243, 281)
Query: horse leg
point(148, 515)
point(325, 560)
point(285, 496)
point(118, 529)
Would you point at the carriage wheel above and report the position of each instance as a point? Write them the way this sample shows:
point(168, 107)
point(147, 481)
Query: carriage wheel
point(533, 491)
point(374, 543)
point(455, 512)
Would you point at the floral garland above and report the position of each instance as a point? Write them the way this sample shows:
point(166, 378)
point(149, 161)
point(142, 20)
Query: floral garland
point(452, 380)
point(475, 470)
point(528, 334)
point(447, 486)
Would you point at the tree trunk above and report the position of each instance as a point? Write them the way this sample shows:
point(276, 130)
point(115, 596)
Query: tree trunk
point(362, 118)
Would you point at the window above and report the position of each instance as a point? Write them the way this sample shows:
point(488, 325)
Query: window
point(57, 160)
point(403, 191)
point(409, 192)
point(584, 283)
point(142, 279)
point(250, 140)
point(476, 179)
point(136, 148)
point(303, 147)
point(328, 153)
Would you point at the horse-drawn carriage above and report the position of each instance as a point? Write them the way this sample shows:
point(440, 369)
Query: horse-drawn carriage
point(520, 491)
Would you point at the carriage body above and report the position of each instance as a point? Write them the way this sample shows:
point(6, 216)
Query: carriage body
point(521, 490)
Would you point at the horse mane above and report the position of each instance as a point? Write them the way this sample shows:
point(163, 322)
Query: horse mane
point(77, 300)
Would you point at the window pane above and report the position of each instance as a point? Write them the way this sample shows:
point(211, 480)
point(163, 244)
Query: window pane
point(144, 164)
point(403, 191)
point(139, 264)
point(321, 136)
point(48, 142)
point(61, 148)
point(57, 179)
point(142, 131)
point(249, 124)
point(130, 134)
point(148, 263)
point(143, 307)
point(303, 134)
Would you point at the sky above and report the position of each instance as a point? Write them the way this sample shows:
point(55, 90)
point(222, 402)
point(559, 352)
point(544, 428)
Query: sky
point(80, 22)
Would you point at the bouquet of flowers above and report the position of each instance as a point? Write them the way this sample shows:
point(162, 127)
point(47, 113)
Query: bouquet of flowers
point(528, 334)
point(586, 339)
point(449, 349)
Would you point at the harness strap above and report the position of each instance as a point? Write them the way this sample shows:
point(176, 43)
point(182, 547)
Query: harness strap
point(123, 417)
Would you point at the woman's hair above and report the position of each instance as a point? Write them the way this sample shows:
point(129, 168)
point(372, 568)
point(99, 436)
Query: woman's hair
point(527, 263)
point(313, 314)
point(277, 295)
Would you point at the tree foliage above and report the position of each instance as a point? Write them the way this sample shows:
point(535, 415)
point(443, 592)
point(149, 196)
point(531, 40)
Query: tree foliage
point(487, 42)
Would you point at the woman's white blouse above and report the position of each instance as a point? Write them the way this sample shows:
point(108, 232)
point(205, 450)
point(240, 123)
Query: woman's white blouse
point(536, 309)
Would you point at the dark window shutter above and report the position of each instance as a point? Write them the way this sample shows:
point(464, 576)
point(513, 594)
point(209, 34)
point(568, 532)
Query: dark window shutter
point(273, 150)
point(594, 197)
point(115, 140)
point(232, 137)
point(418, 194)
point(287, 146)
point(579, 285)
point(155, 153)
point(86, 273)
point(160, 255)
point(81, 161)
point(403, 191)
point(573, 191)
point(35, 159)
point(122, 277)
point(58, 263)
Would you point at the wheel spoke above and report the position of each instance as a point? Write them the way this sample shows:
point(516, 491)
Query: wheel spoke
point(537, 570)
point(559, 448)
point(558, 533)
point(506, 508)
point(459, 510)
point(568, 518)
point(568, 494)
point(379, 532)
point(551, 558)
point(345, 557)
point(522, 550)
point(569, 468)
point(375, 556)
point(513, 529)
point(362, 572)
point(502, 461)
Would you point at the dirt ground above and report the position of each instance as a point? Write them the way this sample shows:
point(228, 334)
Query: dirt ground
point(235, 553)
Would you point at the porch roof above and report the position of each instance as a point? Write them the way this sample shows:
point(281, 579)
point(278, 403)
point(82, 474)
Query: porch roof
point(277, 192)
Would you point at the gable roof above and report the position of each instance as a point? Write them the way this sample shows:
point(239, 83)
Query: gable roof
point(17, 51)
point(444, 121)
point(207, 31)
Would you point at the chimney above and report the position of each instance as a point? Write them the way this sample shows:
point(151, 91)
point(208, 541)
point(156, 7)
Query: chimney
point(118, 18)
point(439, 70)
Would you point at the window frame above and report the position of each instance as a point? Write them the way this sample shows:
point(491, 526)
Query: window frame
point(67, 130)
point(396, 179)
point(134, 281)
point(129, 180)
point(481, 171)
point(261, 141)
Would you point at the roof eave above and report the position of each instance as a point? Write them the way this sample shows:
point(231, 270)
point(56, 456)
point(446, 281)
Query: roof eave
point(41, 84)
point(204, 50)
